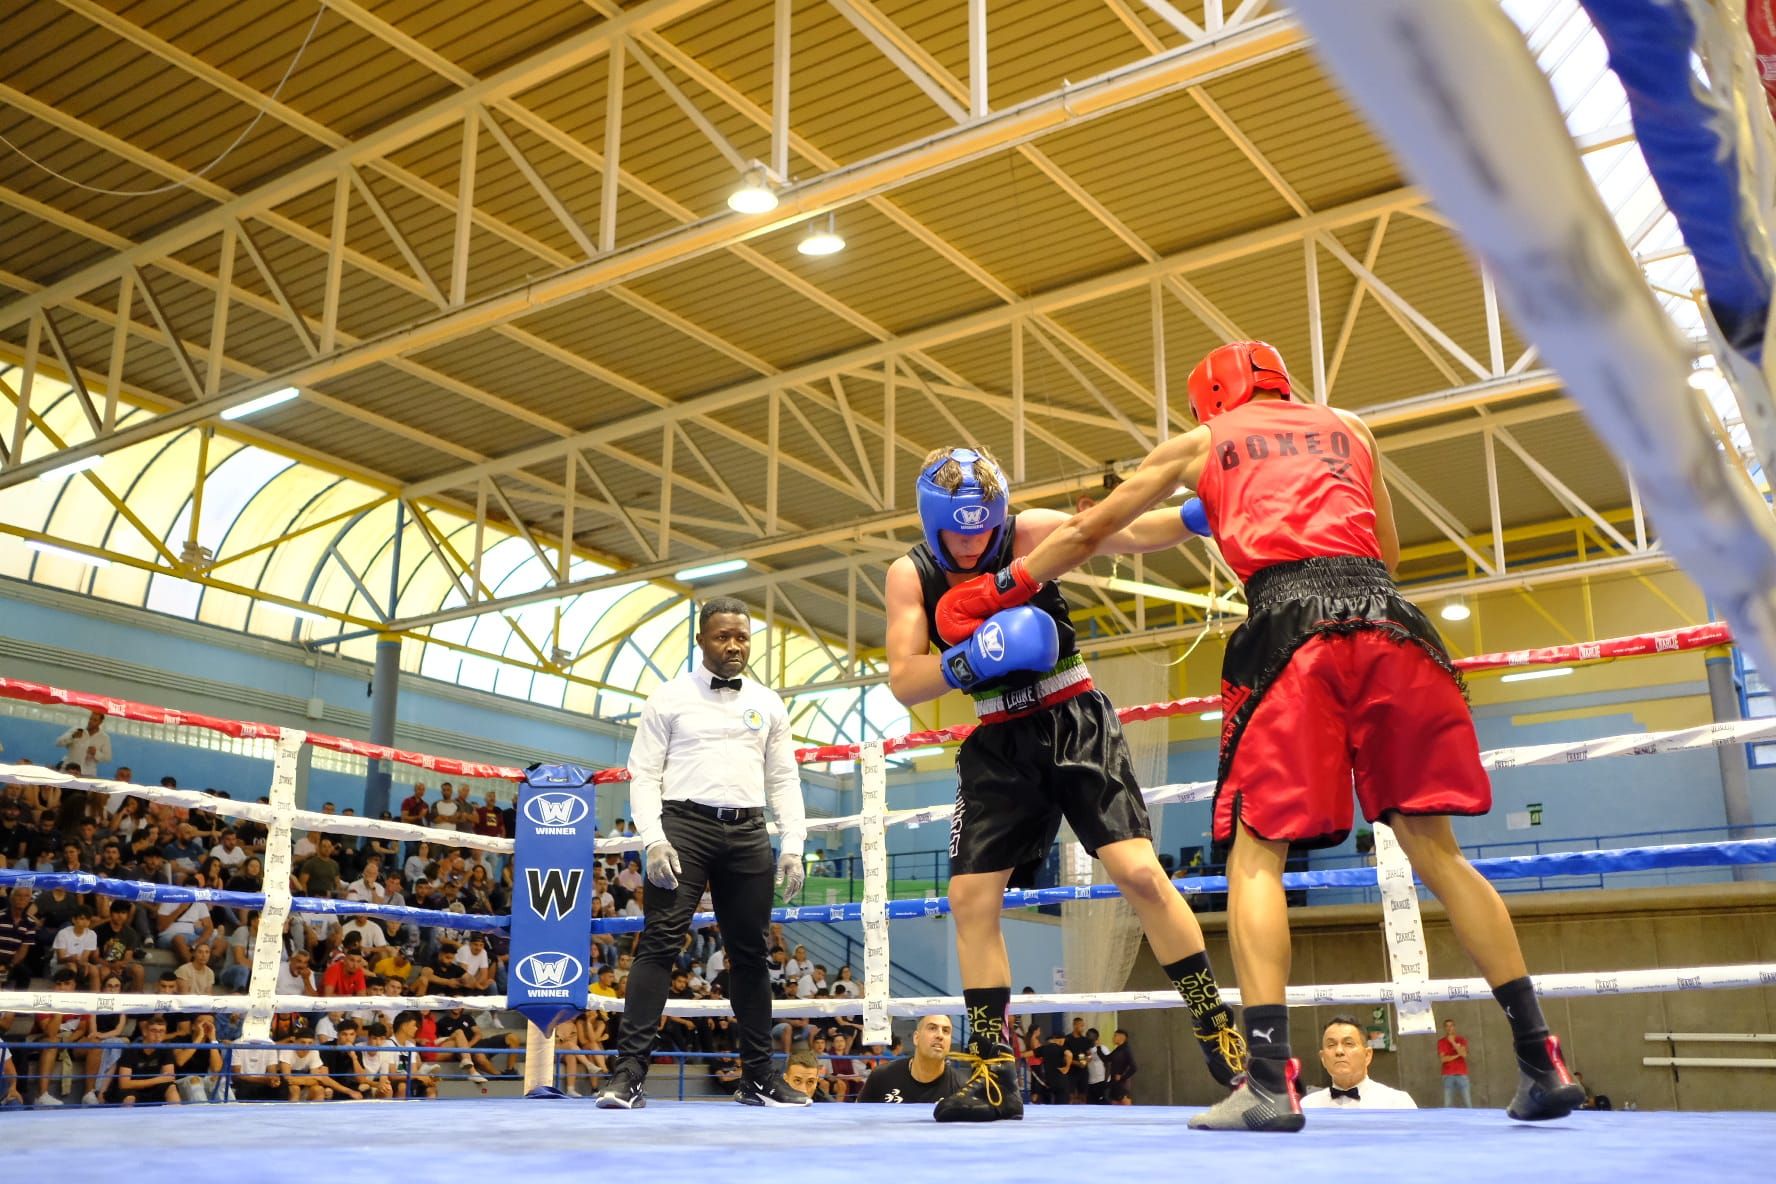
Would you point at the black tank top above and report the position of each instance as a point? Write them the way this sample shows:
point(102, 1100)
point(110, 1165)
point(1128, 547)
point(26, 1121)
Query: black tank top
point(933, 583)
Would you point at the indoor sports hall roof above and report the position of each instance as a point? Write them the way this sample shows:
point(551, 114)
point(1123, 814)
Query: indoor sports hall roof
point(540, 365)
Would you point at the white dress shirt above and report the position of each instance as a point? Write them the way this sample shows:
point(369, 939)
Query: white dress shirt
point(717, 748)
point(1371, 1095)
point(89, 751)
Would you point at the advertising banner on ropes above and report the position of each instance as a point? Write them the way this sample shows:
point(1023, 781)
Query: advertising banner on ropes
point(548, 978)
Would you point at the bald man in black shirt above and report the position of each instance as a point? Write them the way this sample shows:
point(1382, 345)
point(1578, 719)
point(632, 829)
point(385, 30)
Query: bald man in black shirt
point(926, 1076)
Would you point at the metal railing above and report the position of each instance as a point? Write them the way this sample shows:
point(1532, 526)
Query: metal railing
point(26, 1055)
point(219, 1083)
point(1563, 883)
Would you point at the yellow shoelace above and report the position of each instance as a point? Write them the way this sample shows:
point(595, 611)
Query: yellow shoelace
point(983, 1068)
point(1230, 1044)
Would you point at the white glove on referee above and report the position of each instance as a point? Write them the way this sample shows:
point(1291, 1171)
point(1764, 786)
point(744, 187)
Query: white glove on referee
point(790, 875)
point(662, 865)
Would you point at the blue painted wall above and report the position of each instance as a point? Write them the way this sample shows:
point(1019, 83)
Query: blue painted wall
point(926, 947)
point(224, 659)
point(1679, 791)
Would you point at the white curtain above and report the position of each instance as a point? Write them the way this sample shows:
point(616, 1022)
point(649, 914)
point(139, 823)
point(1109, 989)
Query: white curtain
point(1100, 938)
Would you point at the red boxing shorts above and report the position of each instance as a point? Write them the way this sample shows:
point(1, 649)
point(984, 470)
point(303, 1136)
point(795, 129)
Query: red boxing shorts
point(1336, 682)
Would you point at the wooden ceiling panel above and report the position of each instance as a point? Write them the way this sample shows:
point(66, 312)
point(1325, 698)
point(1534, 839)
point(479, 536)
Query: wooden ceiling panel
point(957, 243)
point(636, 345)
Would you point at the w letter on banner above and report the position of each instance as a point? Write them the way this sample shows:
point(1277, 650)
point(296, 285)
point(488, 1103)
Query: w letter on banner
point(552, 891)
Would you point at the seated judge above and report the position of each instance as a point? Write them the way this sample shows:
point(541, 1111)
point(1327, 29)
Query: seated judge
point(1345, 1051)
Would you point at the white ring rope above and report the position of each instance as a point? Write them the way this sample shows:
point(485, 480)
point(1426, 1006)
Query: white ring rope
point(1566, 985)
point(1565, 753)
point(260, 1002)
point(1715, 735)
point(343, 824)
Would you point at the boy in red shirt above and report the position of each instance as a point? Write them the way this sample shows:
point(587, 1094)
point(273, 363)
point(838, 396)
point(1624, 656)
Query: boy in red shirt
point(1333, 678)
point(345, 976)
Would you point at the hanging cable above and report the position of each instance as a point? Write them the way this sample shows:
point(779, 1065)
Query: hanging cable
point(291, 69)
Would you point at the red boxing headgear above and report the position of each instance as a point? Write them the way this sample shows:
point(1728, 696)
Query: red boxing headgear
point(1231, 374)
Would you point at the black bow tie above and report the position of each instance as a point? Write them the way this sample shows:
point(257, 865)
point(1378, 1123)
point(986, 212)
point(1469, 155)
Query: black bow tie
point(1345, 1093)
point(717, 684)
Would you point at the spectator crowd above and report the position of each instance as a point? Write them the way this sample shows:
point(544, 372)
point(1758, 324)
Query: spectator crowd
point(53, 940)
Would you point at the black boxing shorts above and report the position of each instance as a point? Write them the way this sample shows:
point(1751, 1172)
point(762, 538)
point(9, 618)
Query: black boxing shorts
point(1019, 778)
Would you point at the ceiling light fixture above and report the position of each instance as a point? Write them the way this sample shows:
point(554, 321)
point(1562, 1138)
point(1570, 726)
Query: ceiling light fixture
point(913, 754)
point(65, 553)
point(262, 403)
point(709, 569)
point(1210, 716)
point(755, 195)
point(1528, 675)
point(822, 241)
point(1455, 610)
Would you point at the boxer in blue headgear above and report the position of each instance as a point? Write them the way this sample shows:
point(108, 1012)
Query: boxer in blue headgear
point(1049, 747)
point(975, 505)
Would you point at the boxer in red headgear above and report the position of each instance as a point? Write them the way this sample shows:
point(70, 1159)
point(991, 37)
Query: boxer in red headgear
point(1333, 679)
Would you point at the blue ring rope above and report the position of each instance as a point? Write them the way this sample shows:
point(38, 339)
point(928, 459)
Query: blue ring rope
point(1735, 853)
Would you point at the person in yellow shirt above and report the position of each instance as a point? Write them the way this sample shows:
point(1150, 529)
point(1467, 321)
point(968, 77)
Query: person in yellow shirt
point(395, 964)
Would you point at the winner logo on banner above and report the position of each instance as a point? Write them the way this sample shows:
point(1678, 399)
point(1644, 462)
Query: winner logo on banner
point(552, 909)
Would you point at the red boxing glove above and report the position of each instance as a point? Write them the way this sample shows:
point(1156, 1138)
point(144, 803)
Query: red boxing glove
point(967, 606)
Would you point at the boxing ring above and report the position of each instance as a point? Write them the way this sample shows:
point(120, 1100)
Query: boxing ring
point(550, 1137)
point(548, 1141)
point(1621, 361)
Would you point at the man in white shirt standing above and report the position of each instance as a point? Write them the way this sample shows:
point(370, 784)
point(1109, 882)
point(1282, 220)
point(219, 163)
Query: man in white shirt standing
point(445, 812)
point(710, 749)
point(1345, 1051)
point(88, 747)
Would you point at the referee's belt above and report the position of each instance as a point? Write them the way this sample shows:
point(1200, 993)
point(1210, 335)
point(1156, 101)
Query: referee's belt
point(722, 813)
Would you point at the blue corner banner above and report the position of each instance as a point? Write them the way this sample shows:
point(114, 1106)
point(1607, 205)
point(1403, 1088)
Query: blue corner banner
point(549, 977)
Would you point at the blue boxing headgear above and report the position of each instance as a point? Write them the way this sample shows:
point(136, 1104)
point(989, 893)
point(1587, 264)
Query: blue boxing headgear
point(965, 510)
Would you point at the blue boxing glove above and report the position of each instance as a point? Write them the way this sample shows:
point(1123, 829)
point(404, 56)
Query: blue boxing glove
point(1022, 638)
point(1196, 518)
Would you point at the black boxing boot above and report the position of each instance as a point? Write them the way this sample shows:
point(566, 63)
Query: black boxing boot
point(991, 1091)
point(1544, 1088)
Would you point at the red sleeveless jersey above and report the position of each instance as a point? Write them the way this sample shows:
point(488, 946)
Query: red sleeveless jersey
point(1286, 481)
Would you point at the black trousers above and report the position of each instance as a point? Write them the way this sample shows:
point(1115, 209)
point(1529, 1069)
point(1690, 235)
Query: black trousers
point(734, 860)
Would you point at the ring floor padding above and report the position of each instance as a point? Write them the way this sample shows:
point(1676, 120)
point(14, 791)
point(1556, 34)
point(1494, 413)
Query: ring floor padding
point(531, 1142)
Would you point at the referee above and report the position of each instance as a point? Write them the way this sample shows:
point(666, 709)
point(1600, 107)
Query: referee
point(709, 750)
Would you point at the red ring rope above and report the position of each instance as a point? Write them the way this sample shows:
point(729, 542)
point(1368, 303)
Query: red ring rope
point(1693, 637)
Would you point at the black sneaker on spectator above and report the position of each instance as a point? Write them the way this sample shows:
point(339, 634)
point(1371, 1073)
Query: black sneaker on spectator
point(623, 1089)
point(772, 1090)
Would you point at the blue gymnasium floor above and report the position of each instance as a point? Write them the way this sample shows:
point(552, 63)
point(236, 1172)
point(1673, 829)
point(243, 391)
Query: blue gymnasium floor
point(513, 1141)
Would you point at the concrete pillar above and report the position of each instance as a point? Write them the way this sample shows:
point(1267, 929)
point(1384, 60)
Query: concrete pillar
point(385, 686)
point(1723, 700)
